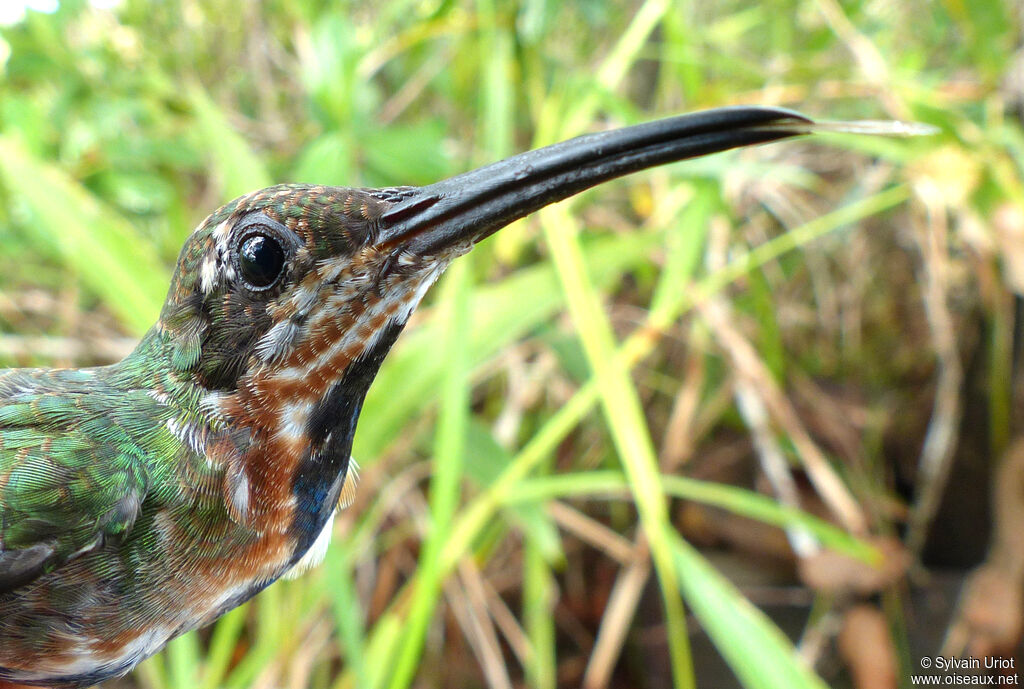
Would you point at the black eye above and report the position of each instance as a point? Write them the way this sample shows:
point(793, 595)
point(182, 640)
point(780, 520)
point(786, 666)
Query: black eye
point(260, 259)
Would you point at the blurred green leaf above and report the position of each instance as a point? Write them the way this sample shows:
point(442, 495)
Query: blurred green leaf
point(328, 159)
point(402, 155)
point(95, 242)
point(760, 655)
point(235, 165)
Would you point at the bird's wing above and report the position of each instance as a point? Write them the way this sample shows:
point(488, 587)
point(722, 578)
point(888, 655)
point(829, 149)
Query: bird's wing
point(71, 476)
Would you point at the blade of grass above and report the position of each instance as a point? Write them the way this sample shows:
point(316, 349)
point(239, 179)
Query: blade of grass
point(445, 484)
point(110, 258)
point(625, 420)
point(538, 617)
point(760, 655)
point(683, 251)
point(485, 460)
point(235, 166)
point(769, 342)
point(269, 638)
point(223, 643)
point(349, 615)
point(592, 484)
point(380, 652)
point(183, 661)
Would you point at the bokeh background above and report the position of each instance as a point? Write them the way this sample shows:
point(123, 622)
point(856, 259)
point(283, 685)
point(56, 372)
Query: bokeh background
point(732, 422)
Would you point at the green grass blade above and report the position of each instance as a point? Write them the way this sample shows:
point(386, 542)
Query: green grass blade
point(760, 655)
point(235, 166)
point(613, 484)
point(268, 639)
point(223, 642)
point(538, 617)
point(445, 485)
point(625, 420)
point(183, 656)
point(348, 614)
point(108, 255)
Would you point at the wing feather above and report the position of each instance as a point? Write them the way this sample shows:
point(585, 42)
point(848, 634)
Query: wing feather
point(71, 475)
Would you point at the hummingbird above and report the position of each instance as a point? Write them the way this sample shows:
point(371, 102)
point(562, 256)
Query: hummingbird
point(144, 499)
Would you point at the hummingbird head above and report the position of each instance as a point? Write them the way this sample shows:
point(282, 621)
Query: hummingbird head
point(290, 281)
point(285, 301)
point(283, 305)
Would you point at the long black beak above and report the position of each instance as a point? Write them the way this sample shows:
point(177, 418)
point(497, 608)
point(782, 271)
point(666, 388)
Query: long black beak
point(476, 204)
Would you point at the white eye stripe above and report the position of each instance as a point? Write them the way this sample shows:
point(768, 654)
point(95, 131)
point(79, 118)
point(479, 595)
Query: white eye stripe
point(208, 275)
point(220, 263)
point(277, 341)
point(216, 264)
point(222, 231)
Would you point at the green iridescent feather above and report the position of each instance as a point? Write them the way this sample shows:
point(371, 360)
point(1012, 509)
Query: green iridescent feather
point(79, 452)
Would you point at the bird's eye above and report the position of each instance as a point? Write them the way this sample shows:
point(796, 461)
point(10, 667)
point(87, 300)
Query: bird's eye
point(261, 260)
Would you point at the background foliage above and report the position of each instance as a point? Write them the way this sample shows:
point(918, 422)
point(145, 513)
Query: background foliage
point(569, 401)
